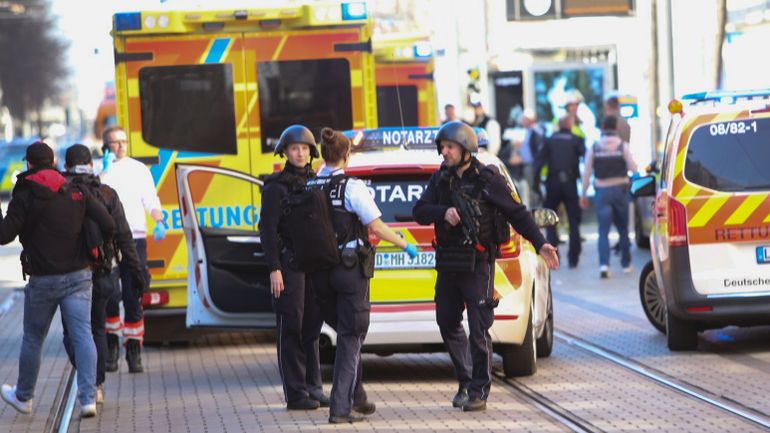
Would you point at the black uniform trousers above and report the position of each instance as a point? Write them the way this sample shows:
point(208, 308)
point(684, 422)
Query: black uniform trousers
point(471, 356)
point(104, 288)
point(344, 298)
point(298, 323)
point(558, 192)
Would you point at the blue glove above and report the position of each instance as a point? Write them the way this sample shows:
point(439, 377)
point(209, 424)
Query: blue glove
point(159, 232)
point(106, 160)
point(411, 249)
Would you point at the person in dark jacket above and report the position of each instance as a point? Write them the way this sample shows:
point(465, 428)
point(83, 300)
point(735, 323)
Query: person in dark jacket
point(106, 279)
point(298, 316)
point(561, 152)
point(466, 266)
point(48, 217)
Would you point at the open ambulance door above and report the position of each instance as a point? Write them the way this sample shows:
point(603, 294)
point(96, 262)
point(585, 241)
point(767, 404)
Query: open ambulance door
point(228, 283)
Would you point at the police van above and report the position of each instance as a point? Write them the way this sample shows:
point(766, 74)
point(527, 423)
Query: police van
point(710, 240)
point(229, 279)
point(217, 88)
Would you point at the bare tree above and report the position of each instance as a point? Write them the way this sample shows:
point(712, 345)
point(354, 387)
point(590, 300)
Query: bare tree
point(32, 68)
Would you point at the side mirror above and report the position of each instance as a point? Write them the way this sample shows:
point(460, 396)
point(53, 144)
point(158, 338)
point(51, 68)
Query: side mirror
point(643, 186)
point(545, 217)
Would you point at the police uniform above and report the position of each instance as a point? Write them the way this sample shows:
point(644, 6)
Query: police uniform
point(561, 152)
point(298, 317)
point(466, 271)
point(343, 290)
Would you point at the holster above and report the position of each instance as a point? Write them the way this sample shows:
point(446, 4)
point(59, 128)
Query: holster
point(366, 258)
point(349, 257)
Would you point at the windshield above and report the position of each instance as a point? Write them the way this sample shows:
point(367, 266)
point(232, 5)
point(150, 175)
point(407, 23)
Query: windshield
point(396, 195)
point(730, 156)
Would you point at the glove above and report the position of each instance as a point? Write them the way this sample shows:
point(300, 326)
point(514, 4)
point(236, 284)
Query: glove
point(411, 249)
point(159, 232)
point(106, 160)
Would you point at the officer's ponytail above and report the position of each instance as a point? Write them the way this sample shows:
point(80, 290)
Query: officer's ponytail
point(334, 146)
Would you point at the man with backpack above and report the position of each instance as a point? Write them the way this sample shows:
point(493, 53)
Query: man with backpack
point(106, 277)
point(48, 216)
point(298, 317)
point(470, 206)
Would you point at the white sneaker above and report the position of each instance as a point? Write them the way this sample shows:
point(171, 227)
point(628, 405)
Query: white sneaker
point(604, 271)
point(9, 395)
point(628, 269)
point(88, 410)
point(99, 394)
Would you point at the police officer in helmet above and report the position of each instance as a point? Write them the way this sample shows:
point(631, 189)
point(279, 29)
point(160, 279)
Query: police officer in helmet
point(466, 266)
point(298, 317)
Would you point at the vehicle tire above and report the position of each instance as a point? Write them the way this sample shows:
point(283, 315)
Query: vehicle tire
point(544, 344)
point(653, 304)
point(642, 240)
point(521, 360)
point(682, 335)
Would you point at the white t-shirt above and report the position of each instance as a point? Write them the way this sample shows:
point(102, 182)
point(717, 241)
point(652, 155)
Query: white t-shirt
point(136, 190)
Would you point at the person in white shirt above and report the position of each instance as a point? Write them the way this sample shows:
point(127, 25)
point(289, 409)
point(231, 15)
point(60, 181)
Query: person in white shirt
point(136, 190)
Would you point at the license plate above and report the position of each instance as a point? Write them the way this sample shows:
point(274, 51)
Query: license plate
point(400, 260)
point(763, 255)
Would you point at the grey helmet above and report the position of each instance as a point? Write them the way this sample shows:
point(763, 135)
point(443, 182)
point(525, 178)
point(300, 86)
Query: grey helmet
point(296, 134)
point(460, 133)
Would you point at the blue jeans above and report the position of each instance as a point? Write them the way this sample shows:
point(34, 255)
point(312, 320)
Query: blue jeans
point(612, 206)
point(72, 293)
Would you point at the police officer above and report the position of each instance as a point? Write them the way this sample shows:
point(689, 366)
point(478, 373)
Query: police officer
point(343, 290)
point(298, 317)
point(466, 269)
point(561, 152)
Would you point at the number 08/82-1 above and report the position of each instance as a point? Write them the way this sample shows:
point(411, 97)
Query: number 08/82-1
point(733, 128)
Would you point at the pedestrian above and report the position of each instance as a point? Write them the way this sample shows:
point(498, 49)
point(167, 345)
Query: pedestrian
point(561, 152)
point(612, 108)
point(610, 160)
point(529, 148)
point(450, 113)
point(136, 190)
point(343, 290)
point(48, 216)
point(490, 125)
point(466, 269)
point(298, 317)
point(106, 277)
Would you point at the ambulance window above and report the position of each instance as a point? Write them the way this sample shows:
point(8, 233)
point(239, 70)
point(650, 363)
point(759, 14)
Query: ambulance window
point(188, 108)
point(390, 98)
point(397, 195)
point(730, 156)
point(314, 93)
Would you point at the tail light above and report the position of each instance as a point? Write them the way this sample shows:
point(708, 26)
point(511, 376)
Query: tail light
point(155, 298)
point(677, 223)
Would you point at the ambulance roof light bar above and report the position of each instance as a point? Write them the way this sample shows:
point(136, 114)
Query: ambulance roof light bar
point(725, 96)
point(354, 11)
point(128, 21)
point(401, 138)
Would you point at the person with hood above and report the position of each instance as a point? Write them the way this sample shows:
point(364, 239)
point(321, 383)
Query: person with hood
point(106, 277)
point(610, 159)
point(48, 217)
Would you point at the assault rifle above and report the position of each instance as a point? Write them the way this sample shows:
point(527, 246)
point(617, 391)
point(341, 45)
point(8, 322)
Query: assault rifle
point(470, 215)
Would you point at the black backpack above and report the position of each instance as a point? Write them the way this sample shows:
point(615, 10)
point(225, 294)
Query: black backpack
point(308, 213)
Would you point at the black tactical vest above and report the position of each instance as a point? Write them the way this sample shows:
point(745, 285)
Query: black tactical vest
point(347, 225)
point(609, 163)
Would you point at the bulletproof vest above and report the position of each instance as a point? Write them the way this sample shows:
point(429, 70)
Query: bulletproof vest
point(609, 163)
point(293, 180)
point(347, 225)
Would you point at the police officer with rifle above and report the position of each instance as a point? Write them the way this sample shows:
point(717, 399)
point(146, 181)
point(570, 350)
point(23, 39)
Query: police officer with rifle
point(470, 205)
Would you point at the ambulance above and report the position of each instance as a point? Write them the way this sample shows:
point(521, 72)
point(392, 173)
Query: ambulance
point(217, 88)
point(229, 278)
point(406, 92)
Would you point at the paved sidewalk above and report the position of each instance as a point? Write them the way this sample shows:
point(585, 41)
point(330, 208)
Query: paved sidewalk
point(230, 383)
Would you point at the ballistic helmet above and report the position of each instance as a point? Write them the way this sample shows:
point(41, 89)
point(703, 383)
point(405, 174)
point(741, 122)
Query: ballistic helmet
point(296, 134)
point(460, 133)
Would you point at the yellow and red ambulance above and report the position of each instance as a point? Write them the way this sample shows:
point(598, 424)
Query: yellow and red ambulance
point(406, 92)
point(217, 88)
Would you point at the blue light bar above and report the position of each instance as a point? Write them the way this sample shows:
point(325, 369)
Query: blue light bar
point(422, 50)
point(354, 11)
point(128, 21)
point(398, 138)
point(718, 95)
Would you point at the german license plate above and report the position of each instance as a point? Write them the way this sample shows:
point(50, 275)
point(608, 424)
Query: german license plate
point(401, 260)
point(763, 255)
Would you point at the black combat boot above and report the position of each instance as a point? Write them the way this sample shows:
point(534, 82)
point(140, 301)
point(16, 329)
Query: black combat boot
point(134, 356)
point(113, 353)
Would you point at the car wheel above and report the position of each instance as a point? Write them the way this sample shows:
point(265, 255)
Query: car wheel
point(682, 335)
point(521, 360)
point(653, 304)
point(642, 240)
point(544, 344)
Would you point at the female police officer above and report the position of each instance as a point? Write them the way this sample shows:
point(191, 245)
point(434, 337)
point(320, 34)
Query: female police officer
point(298, 317)
point(466, 269)
point(344, 289)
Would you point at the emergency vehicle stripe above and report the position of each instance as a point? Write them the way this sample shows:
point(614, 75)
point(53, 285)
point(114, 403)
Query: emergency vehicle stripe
point(279, 48)
point(727, 210)
point(217, 51)
point(687, 193)
point(744, 211)
point(708, 210)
